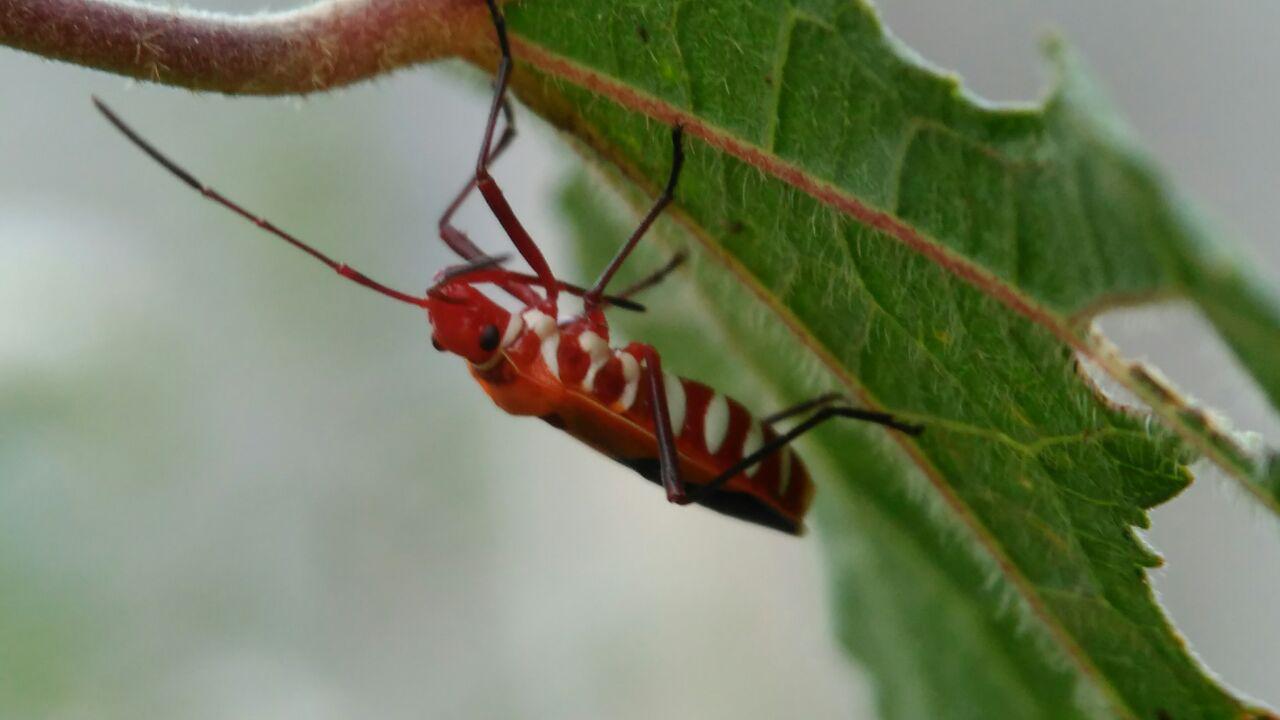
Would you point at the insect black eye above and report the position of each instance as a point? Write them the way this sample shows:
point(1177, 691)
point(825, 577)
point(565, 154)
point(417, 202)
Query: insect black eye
point(489, 338)
point(435, 343)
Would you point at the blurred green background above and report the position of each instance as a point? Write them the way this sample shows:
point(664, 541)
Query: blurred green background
point(232, 485)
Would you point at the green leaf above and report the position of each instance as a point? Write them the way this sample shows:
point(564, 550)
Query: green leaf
point(1048, 209)
point(861, 224)
point(929, 617)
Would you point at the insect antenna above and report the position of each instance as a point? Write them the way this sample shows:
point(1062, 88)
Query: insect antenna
point(178, 171)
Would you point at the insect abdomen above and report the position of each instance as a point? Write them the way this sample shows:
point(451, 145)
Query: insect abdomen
point(717, 432)
point(605, 403)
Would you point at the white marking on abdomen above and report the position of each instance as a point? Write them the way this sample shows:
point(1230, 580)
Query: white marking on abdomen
point(753, 442)
point(715, 423)
point(598, 350)
point(631, 374)
point(675, 400)
point(550, 347)
point(545, 327)
point(541, 323)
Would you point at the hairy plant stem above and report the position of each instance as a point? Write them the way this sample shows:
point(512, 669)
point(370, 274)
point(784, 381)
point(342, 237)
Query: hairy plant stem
point(324, 45)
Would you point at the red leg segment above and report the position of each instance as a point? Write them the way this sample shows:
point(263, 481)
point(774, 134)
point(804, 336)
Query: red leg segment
point(488, 187)
point(458, 241)
point(668, 454)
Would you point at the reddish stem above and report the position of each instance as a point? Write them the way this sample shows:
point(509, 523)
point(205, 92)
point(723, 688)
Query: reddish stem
point(324, 45)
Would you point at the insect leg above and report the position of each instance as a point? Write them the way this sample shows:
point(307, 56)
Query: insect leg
point(668, 455)
point(799, 408)
point(819, 417)
point(489, 187)
point(656, 276)
point(483, 270)
point(458, 241)
point(592, 299)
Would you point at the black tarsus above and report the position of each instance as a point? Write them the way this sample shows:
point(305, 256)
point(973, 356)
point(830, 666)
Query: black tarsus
point(500, 24)
point(800, 407)
point(655, 277)
point(822, 415)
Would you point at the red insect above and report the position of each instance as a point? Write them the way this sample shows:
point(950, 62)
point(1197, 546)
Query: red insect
point(700, 445)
